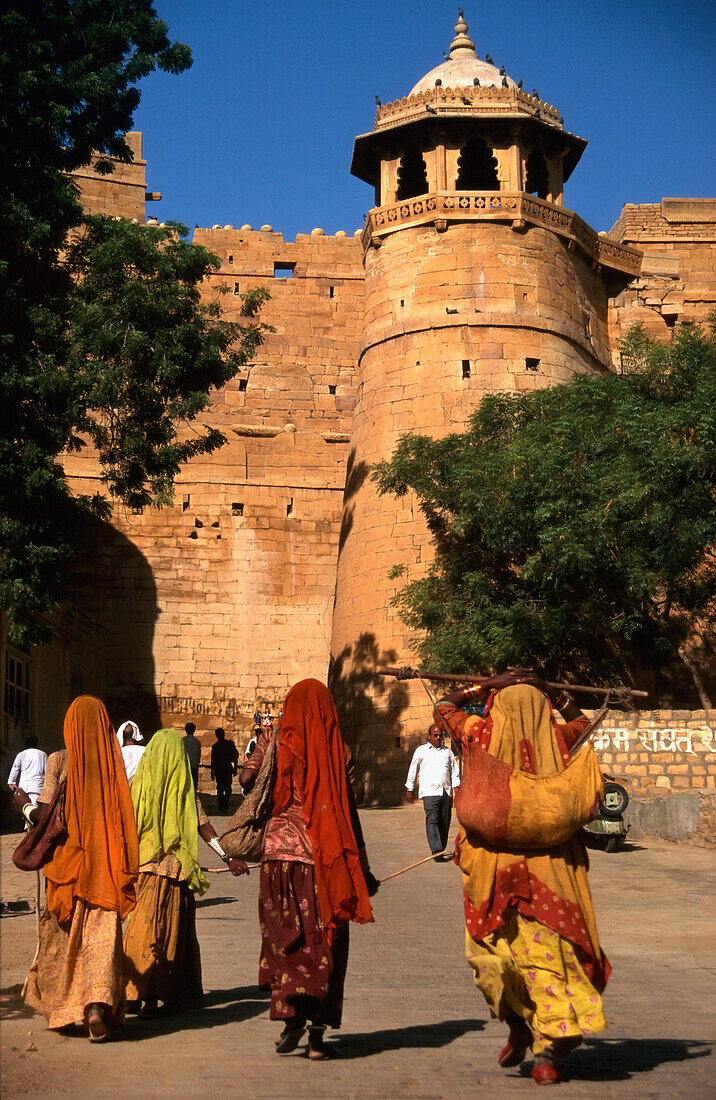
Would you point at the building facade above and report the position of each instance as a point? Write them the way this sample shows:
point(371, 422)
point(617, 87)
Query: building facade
point(470, 276)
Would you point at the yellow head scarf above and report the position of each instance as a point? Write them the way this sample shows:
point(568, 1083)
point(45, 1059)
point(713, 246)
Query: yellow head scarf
point(165, 807)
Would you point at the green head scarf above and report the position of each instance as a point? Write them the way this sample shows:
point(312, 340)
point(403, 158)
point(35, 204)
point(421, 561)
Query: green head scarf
point(165, 807)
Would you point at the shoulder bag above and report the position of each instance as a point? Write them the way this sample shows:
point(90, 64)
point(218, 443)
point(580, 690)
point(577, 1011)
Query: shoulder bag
point(245, 834)
point(39, 842)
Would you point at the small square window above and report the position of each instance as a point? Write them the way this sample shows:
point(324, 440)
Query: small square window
point(237, 508)
point(243, 383)
point(531, 364)
point(289, 507)
point(231, 259)
point(466, 368)
point(331, 389)
point(331, 292)
point(237, 288)
point(283, 271)
point(185, 502)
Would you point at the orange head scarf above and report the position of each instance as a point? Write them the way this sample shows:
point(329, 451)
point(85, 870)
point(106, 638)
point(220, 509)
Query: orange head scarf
point(311, 762)
point(98, 860)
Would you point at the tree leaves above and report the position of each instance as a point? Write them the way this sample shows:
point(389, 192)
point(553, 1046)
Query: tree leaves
point(126, 357)
point(571, 525)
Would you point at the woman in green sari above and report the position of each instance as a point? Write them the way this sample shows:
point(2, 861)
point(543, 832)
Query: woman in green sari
point(162, 959)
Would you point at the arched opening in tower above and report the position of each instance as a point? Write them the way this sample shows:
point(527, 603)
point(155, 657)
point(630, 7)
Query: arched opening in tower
point(412, 177)
point(477, 168)
point(536, 175)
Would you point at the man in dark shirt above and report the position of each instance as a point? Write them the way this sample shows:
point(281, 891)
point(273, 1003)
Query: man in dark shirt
point(192, 745)
point(224, 765)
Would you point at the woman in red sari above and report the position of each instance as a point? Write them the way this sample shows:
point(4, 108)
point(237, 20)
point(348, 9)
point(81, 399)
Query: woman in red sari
point(315, 877)
point(531, 936)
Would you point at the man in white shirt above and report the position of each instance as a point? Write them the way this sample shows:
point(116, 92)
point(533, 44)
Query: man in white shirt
point(28, 770)
point(439, 776)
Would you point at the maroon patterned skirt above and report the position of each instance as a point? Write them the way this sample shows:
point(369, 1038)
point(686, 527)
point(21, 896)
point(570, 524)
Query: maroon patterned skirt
point(304, 972)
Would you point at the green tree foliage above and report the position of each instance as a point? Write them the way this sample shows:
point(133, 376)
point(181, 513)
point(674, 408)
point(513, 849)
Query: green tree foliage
point(573, 526)
point(145, 351)
point(126, 355)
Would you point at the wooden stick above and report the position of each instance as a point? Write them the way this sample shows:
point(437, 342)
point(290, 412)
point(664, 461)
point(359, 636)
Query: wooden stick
point(221, 870)
point(410, 868)
point(451, 679)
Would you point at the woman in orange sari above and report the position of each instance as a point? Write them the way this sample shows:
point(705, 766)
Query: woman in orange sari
point(79, 971)
point(314, 871)
point(531, 936)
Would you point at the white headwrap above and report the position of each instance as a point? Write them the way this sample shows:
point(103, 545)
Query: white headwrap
point(127, 727)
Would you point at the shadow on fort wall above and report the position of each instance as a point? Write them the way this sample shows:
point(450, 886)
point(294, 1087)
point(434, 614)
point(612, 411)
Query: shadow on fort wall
point(356, 475)
point(369, 710)
point(113, 591)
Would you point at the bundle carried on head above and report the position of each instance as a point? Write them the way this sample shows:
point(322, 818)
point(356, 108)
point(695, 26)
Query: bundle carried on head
point(506, 807)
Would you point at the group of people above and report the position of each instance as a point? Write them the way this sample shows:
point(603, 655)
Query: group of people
point(531, 937)
point(130, 852)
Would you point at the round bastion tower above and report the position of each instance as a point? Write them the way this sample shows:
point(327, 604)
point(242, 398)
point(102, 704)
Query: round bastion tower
point(477, 280)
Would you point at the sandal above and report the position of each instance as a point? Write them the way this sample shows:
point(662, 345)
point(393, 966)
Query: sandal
point(316, 1050)
point(96, 1024)
point(518, 1043)
point(290, 1037)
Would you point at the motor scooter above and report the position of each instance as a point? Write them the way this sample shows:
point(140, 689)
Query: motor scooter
point(608, 829)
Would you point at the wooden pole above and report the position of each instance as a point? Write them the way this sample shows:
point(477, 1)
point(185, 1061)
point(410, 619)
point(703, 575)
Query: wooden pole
point(622, 689)
point(402, 871)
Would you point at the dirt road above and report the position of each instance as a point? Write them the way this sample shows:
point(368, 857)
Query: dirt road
point(414, 1026)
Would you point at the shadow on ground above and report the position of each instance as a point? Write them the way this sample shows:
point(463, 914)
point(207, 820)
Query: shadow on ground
point(12, 1006)
point(621, 1059)
point(204, 903)
point(418, 1037)
point(219, 1006)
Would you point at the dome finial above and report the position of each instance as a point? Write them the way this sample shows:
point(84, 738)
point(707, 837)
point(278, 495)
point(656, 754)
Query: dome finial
point(461, 40)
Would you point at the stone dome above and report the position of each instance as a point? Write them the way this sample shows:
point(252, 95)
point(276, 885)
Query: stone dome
point(463, 67)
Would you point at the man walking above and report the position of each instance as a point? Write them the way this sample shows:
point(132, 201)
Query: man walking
point(439, 776)
point(28, 770)
point(192, 745)
point(224, 765)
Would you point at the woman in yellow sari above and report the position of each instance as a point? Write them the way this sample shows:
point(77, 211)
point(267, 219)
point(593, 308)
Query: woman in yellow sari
point(162, 959)
point(531, 937)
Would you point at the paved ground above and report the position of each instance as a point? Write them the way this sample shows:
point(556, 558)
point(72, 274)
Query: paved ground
point(414, 1025)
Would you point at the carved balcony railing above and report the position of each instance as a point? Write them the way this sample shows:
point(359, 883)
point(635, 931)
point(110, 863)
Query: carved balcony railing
point(516, 207)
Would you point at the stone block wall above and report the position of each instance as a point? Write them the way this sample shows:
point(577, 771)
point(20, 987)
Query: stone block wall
point(448, 317)
point(122, 192)
point(678, 276)
point(226, 598)
point(658, 750)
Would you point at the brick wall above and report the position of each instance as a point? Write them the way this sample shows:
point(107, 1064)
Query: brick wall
point(658, 750)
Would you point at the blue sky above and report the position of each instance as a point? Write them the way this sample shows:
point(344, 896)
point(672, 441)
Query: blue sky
point(261, 128)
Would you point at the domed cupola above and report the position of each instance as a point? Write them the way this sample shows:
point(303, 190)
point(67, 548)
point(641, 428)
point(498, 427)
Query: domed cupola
point(463, 67)
point(469, 139)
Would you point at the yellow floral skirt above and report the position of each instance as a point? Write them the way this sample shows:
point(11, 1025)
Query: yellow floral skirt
point(529, 969)
point(77, 965)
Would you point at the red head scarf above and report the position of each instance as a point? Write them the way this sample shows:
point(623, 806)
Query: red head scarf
point(98, 860)
point(311, 761)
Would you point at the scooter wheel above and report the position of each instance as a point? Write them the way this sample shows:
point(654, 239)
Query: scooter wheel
point(615, 801)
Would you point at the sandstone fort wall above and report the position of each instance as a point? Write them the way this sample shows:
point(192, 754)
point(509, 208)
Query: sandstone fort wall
point(449, 317)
